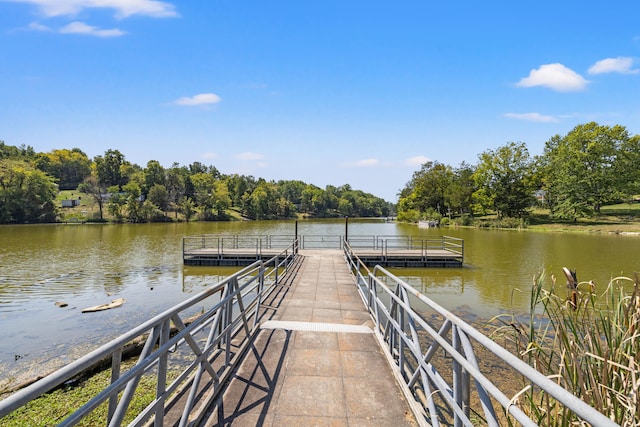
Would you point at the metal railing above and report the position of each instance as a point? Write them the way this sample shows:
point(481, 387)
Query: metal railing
point(404, 320)
point(382, 243)
point(388, 244)
point(194, 355)
point(220, 243)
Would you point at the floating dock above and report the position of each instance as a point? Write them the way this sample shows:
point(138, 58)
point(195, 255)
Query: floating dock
point(387, 251)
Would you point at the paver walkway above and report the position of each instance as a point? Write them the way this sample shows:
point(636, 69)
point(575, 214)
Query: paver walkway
point(317, 362)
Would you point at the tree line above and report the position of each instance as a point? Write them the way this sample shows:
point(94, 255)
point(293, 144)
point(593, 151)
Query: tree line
point(577, 174)
point(124, 191)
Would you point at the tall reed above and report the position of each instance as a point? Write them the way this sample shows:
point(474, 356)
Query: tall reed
point(588, 343)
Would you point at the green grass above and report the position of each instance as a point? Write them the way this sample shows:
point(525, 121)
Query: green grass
point(52, 408)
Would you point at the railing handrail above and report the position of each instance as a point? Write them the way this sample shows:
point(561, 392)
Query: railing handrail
point(399, 340)
point(231, 293)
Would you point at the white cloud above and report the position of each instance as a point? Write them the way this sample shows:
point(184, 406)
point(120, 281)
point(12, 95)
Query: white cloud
point(122, 8)
point(531, 117)
point(416, 160)
point(614, 65)
point(36, 26)
point(556, 77)
point(201, 99)
point(209, 155)
point(367, 163)
point(248, 155)
point(78, 27)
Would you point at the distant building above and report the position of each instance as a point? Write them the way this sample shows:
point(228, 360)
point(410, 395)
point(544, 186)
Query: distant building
point(70, 203)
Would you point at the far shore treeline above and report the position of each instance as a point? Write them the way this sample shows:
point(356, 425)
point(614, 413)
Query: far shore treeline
point(108, 187)
point(577, 174)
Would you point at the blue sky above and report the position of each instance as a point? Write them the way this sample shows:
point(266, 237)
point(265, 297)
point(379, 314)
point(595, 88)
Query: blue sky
point(328, 92)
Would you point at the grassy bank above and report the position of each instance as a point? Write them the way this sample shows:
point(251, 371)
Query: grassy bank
point(622, 218)
point(52, 408)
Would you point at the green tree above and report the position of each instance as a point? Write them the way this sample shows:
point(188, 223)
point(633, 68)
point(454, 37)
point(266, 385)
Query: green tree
point(24, 152)
point(95, 190)
point(176, 183)
point(112, 168)
point(459, 194)
point(591, 166)
point(159, 196)
point(203, 184)
point(429, 186)
point(154, 174)
point(69, 167)
point(504, 180)
point(116, 203)
point(221, 199)
point(238, 186)
point(27, 195)
point(187, 208)
point(133, 193)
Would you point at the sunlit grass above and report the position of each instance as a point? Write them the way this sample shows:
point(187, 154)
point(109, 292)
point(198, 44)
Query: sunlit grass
point(52, 408)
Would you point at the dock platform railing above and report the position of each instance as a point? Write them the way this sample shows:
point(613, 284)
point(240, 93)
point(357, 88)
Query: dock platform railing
point(184, 360)
point(389, 245)
point(383, 244)
point(406, 325)
point(222, 243)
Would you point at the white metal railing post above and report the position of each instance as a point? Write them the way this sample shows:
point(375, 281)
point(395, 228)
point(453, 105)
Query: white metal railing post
point(162, 373)
point(116, 363)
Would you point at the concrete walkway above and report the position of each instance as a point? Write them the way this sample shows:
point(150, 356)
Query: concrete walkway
point(316, 362)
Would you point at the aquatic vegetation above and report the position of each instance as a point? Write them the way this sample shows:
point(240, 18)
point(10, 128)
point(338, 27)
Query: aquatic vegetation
point(588, 343)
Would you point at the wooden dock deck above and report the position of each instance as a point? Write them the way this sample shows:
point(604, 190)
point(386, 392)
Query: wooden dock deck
point(312, 363)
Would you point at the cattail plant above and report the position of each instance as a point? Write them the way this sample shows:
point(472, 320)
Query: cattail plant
point(588, 343)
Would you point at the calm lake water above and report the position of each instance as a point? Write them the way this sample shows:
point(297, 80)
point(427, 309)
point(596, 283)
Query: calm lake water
point(86, 265)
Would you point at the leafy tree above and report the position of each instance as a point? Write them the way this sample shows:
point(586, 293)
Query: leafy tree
point(154, 174)
point(159, 196)
point(69, 167)
point(95, 190)
point(177, 182)
point(112, 168)
point(459, 194)
point(117, 202)
point(187, 208)
point(135, 213)
point(292, 190)
point(238, 186)
point(503, 177)
point(203, 184)
point(591, 166)
point(221, 199)
point(429, 186)
point(24, 152)
point(27, 195)
point(262, 202)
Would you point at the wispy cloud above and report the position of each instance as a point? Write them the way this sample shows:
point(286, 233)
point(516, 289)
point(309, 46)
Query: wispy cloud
point(620, 64)
point(209, 155)
point(367, 163)
point(532, 117)
point(556, 77)
point(36, 26)
point(122, 8)
point(249, 156)
point(200, 99)
point(416, 160)
point(78, 27)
